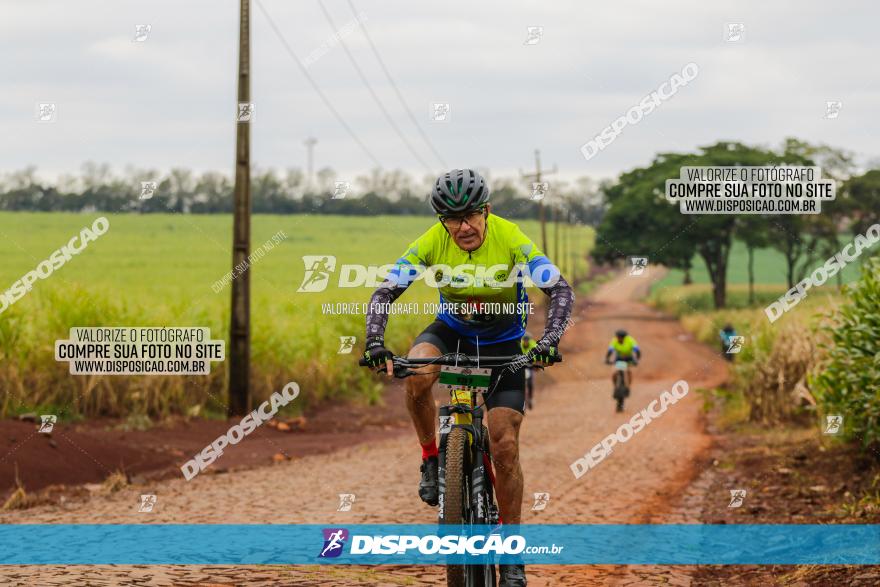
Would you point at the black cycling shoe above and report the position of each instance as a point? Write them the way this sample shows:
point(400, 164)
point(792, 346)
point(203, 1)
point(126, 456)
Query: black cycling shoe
point(512, 575)
point(429, 486)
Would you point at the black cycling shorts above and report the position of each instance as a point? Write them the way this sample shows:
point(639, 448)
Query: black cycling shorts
point(511, 391)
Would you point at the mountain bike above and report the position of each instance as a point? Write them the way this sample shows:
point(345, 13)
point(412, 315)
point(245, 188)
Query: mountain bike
point(621, 389)
point(467, 496)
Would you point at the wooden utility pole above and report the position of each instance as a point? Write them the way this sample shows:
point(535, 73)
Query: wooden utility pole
point(569, 248)
point(536, 176)
point(563, 257)
point(239, 324)
point(310, 161)
point(556, 255)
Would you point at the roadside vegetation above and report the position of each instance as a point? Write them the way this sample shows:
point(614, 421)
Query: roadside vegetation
point(798, 422)
point(820, 359)
point(847, 378)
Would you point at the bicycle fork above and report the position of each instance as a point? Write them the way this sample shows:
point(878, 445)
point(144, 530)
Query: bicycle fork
point(445, 426)
point(486, 511)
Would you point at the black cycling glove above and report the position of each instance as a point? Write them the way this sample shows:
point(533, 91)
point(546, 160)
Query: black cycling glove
point(376, 354)
point(545, 353)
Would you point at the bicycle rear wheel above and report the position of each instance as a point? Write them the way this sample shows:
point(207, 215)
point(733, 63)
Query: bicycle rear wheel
point(620, 390)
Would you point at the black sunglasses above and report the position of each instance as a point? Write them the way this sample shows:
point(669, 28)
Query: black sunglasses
point(455, 221)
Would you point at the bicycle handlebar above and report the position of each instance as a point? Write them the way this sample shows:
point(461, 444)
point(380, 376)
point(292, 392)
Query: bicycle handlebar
point(460, 360)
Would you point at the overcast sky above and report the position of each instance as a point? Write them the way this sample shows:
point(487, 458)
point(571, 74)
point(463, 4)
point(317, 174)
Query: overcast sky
point(170, 100)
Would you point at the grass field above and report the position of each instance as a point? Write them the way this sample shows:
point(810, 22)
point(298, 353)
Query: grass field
point(158, 270)
point(769, 268)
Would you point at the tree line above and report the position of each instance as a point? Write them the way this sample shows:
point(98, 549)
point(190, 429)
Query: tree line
point(97, 188)
point(640, 221)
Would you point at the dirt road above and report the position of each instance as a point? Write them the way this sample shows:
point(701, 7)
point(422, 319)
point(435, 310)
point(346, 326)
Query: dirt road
point(644, 480)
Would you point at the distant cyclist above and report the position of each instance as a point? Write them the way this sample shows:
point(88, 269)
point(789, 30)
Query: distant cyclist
point(527, 344)
point(467, 242)
point(727, 335)
point(623, 347)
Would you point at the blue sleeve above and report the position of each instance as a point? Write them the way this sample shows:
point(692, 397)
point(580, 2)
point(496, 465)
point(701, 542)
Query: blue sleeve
point(543, 272)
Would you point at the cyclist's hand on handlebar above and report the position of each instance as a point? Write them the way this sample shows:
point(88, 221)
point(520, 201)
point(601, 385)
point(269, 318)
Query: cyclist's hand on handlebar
point(377, 355)
point(545, 354)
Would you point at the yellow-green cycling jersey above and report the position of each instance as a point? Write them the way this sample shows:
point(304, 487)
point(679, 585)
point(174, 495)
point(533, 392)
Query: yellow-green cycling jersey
point(623, 349)
point(482, 294)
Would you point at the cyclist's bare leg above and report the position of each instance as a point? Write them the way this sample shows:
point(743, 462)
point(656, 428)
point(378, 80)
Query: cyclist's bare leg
point(629, 378)
point(419, 399)
point(504, 424)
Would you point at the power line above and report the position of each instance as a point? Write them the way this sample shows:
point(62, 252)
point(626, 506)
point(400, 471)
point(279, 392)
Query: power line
point(311, 81)
point(394, 87)
point(369, 87)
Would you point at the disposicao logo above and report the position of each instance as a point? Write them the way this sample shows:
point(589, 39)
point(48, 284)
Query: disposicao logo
point(334, 541)
point(319, 268)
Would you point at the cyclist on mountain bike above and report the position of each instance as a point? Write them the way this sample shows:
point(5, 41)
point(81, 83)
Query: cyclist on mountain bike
point(481, 256)
point(624, 348)
point(727, 335)
point(526, 345)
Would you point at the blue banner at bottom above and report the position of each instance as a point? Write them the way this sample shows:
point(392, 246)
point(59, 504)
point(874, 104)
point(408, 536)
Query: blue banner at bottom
point(429, 544)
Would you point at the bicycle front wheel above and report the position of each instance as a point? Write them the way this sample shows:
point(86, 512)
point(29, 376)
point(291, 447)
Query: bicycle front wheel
point(455, 494)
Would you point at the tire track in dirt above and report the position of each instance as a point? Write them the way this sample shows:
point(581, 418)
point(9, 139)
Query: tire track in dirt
point(640, 481)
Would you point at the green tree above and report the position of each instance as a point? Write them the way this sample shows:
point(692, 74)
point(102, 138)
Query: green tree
point(639, 220)
point(860, 198)
point(754, 231)
point(805, 239)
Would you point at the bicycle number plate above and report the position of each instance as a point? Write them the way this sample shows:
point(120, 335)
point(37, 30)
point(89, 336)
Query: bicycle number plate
point(462, 381)
point(621, 365)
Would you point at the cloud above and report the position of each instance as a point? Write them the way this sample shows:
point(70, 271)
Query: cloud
point(170, 100)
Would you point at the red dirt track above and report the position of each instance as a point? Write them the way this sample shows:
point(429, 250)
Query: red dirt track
point(644, 480)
